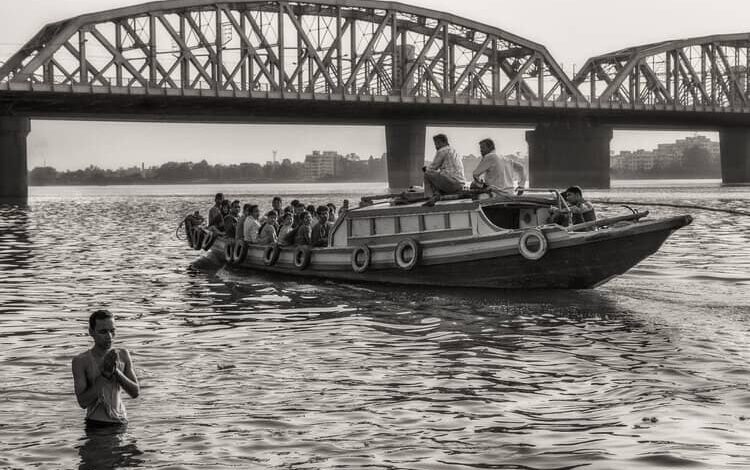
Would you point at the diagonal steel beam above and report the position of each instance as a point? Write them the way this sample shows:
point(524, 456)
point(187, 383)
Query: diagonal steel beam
point(368, 50)
point(732, 76)
point(518, 78)
point(696, 80)
point(253, 51)
point(273, 58)
point(419, 61)
point(310, 48)
point(472, 64)
point(184, 49)
point(221, 71)
point(118, 57)
point(89, 66)
point(145, 48)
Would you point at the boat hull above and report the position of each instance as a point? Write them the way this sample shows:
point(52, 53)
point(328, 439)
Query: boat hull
point(572, 261)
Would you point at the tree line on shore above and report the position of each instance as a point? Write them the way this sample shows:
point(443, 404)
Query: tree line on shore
point(204, 172)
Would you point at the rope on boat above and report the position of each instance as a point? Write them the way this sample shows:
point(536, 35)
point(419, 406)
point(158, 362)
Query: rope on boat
point(678, 206)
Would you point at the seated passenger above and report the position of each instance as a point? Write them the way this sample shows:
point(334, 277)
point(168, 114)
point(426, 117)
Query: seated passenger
point(304, 231)
point(230, 220)
point(498, 172)
point(311, 209)
point(446, 173)
point(252, 226)
point(297, 209)
point(246, 210)
point(286, 231)
point(581, 210)
point(276, 205)
point(321, 229)
point(267, 233)
point(344, 207)
point(215, 218)
point(331, 213)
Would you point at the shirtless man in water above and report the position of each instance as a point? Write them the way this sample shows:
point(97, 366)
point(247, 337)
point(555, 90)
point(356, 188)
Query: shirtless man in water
point(100, 373)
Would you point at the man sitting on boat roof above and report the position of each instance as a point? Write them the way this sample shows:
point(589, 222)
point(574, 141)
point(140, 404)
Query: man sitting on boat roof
point(446, 173)
point(499, 172)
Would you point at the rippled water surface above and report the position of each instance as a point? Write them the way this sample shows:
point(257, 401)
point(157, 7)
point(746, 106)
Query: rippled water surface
point(246, 370)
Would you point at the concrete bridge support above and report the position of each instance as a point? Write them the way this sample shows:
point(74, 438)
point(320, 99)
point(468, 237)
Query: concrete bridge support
point(566, 154)
point(405, 147)
point(13, 167)
point(735, 155)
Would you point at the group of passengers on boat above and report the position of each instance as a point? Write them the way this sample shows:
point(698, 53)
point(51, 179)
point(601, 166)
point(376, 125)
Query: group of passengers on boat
point(295, 224)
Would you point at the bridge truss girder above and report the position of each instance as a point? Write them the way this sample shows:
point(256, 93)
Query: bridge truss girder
point(349, 47)
point(711, 71)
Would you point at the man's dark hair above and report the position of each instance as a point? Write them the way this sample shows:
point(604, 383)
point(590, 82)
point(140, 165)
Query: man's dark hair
point(322, 210)
point(236, 202)
point(296, 203)
point(247, 208)
point(276, 198)
point(219, 196)
point(99, 315)
point(225, 202)
point(574, 190)
point(311, 209)
point(271, 213)
point(253, 207)
point(442, 138)
point(489, 143)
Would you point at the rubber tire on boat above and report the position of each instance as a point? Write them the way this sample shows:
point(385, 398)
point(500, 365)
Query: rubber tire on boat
point(364, 252)
point(229, 252)
point(524, 249)
point(240, 252)
point(302, 256)
point(401, 248)
point(271, 255)
point(209, 238)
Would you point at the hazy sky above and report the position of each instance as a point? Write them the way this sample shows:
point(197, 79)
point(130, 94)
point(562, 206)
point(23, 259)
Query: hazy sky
point(572, 30)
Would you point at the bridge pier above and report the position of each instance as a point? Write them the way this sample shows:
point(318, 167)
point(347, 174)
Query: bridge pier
point(405, 147)
point(735, 155)
point(14, 177)
point(562, 155)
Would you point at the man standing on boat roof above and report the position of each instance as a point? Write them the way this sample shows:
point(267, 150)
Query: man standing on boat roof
point(446, 173)
point(499, 172)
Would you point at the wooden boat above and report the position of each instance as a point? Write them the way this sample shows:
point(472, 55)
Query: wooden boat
point(483, 240)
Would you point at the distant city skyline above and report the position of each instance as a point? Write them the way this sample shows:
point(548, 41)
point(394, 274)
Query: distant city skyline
point(69, 145)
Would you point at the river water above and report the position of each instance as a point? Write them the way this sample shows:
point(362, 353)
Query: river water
point(243, 370)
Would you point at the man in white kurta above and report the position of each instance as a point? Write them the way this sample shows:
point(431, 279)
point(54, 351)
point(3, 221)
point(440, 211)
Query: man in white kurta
point(499, 172)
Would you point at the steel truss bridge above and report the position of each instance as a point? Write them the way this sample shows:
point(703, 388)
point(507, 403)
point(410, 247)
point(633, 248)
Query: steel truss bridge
point(314, 49)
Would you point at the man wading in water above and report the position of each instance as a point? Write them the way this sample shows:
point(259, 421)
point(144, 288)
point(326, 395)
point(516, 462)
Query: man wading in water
point(101, 372)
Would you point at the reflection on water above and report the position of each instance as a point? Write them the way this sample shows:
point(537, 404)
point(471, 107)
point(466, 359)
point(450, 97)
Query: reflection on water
point(108, 448)
point(249, 370)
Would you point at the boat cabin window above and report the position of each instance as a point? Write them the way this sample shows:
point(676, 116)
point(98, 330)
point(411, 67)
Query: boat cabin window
point(503, 216)
point(512, 217)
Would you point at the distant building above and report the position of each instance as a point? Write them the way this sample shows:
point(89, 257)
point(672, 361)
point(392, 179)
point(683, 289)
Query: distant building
point(665, 155)
point(322, 164)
